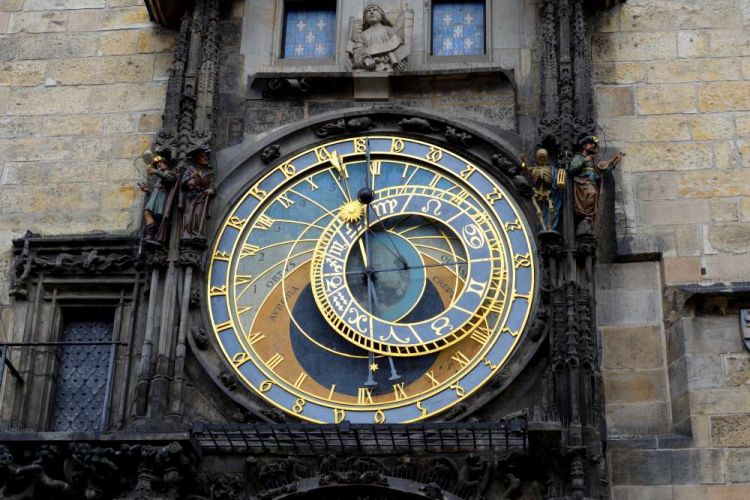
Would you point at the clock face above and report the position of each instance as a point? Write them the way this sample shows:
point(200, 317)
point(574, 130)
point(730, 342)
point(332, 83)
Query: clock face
point(371, 279)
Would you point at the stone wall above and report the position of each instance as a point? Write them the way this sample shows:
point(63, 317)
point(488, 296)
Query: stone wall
point(82, 86)
point(673, 91)
point(672, 86)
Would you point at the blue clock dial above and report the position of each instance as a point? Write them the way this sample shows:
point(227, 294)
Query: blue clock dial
point(371, 279)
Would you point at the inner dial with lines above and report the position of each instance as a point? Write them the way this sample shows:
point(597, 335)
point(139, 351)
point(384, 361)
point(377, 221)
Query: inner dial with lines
point(371, 279)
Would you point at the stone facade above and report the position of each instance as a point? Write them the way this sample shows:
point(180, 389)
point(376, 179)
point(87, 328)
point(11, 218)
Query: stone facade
point(671, 90)
point(82, 86)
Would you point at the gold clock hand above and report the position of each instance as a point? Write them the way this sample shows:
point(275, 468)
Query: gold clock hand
point(341, 170)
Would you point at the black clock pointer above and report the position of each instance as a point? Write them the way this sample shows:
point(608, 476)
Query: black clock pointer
point(365, 196)
point(376, 271)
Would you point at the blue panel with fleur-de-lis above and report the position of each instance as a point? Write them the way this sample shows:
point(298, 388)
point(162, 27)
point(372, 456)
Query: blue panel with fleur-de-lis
point(457, 28)
point(310, 34)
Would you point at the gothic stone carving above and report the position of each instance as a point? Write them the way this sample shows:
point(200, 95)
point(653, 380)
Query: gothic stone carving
point(377, 43)
point(360, 124)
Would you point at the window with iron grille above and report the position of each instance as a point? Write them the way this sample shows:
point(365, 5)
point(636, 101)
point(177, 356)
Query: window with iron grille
point(458, 28)
point(309, 30)
point(83, 372)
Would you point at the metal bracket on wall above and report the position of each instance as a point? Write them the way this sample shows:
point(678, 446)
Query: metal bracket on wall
point(4, 361)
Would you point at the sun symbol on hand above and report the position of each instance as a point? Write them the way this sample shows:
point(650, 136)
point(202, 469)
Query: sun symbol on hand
point(351, 211)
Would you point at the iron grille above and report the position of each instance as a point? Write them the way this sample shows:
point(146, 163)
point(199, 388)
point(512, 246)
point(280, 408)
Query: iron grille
point(81, 377)
point(313, 438)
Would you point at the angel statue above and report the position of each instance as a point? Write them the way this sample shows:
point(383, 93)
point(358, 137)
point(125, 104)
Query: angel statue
point(375, 44)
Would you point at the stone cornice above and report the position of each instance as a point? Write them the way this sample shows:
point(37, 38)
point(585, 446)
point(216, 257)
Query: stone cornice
point(169, 12)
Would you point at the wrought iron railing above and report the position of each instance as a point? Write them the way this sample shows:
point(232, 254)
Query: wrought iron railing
point(314, 438)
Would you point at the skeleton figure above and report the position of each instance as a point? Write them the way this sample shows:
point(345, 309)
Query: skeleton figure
point(547, 182)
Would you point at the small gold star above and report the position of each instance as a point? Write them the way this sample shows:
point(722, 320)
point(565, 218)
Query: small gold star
point(374, 367)
point(351, 211)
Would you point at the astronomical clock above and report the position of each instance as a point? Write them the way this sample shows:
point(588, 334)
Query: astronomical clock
point(371, 279)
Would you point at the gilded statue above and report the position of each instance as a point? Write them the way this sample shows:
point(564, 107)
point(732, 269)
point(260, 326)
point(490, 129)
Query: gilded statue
point(376, 44)
point(587, 175)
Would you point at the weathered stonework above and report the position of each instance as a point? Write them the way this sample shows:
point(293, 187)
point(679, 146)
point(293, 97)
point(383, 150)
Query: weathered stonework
point(82, 87)
point(672, 93)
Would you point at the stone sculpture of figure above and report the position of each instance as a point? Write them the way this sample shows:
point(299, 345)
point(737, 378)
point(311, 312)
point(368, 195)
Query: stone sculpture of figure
point(378, 45)
point(587, 176)
point(158, 208)
point(547, 182)
point(197, 186)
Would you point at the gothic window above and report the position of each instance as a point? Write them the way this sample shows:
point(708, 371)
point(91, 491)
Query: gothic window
point(82, 375)
point(458, 28)
point(309, 30)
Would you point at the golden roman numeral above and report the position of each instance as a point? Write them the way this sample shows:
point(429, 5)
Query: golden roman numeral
point(480, 335)
point(243, 310)
point(398, 391)
point(243, 279)
point(285, 200)
point(435, 180)
point(461, 359)
point(274, 361)
point(364, 396)
point(264, 222)
point(435, 382)
point(330, 393)
point(300, 380)
point(254, 338)
point(249, 250)
point(313, 186)
point(375, 167)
